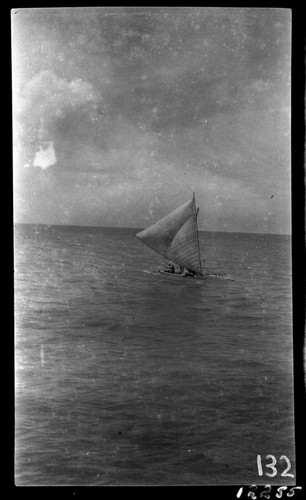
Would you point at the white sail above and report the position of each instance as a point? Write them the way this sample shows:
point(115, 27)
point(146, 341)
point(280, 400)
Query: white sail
point(175, 236)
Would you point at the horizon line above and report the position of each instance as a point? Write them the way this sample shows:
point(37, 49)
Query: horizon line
point(140, 228)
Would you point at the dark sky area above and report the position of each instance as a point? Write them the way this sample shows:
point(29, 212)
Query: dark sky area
point(120, 113)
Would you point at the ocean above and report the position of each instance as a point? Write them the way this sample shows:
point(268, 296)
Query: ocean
point(124, 376)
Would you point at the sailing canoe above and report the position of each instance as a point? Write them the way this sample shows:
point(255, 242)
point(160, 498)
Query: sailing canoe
point(175, 237)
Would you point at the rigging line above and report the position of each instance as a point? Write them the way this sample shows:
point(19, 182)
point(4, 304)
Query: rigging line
point(197, 235)
point(159, 253)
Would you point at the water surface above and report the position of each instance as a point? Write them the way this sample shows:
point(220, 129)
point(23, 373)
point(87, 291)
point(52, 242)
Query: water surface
point(124, 377)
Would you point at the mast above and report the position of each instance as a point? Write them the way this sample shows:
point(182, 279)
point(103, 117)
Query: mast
point(196, 228)
point(175, 237)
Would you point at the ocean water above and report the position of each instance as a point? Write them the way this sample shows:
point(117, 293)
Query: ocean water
point(124, 377)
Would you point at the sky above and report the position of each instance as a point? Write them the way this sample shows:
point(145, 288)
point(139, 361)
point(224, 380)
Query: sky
point(119, 114)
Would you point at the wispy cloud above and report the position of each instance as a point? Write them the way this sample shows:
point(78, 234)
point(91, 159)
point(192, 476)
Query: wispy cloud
point(142, 106)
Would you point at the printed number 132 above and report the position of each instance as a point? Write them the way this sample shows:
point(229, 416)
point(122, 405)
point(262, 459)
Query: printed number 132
point(272, 464)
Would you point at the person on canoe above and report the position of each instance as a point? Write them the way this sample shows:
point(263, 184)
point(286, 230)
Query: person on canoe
point(169, 268)
point(188, 273)
point(176, 269)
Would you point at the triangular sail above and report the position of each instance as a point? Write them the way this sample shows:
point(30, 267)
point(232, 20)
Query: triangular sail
point(175, 236)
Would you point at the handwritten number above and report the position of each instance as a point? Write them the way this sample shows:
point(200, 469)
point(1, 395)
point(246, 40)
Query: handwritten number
point(259, 466)
point(251, 493)
point(285, 472)
point(239, 492)
point(291, 492)
point(280, 491)
point(265, 493)
point(271, 466)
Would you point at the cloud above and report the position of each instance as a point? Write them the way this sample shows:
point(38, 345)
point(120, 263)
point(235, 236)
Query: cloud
point(45, 102)
point(48, 97)
point(143, 105)
point(48, 90)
